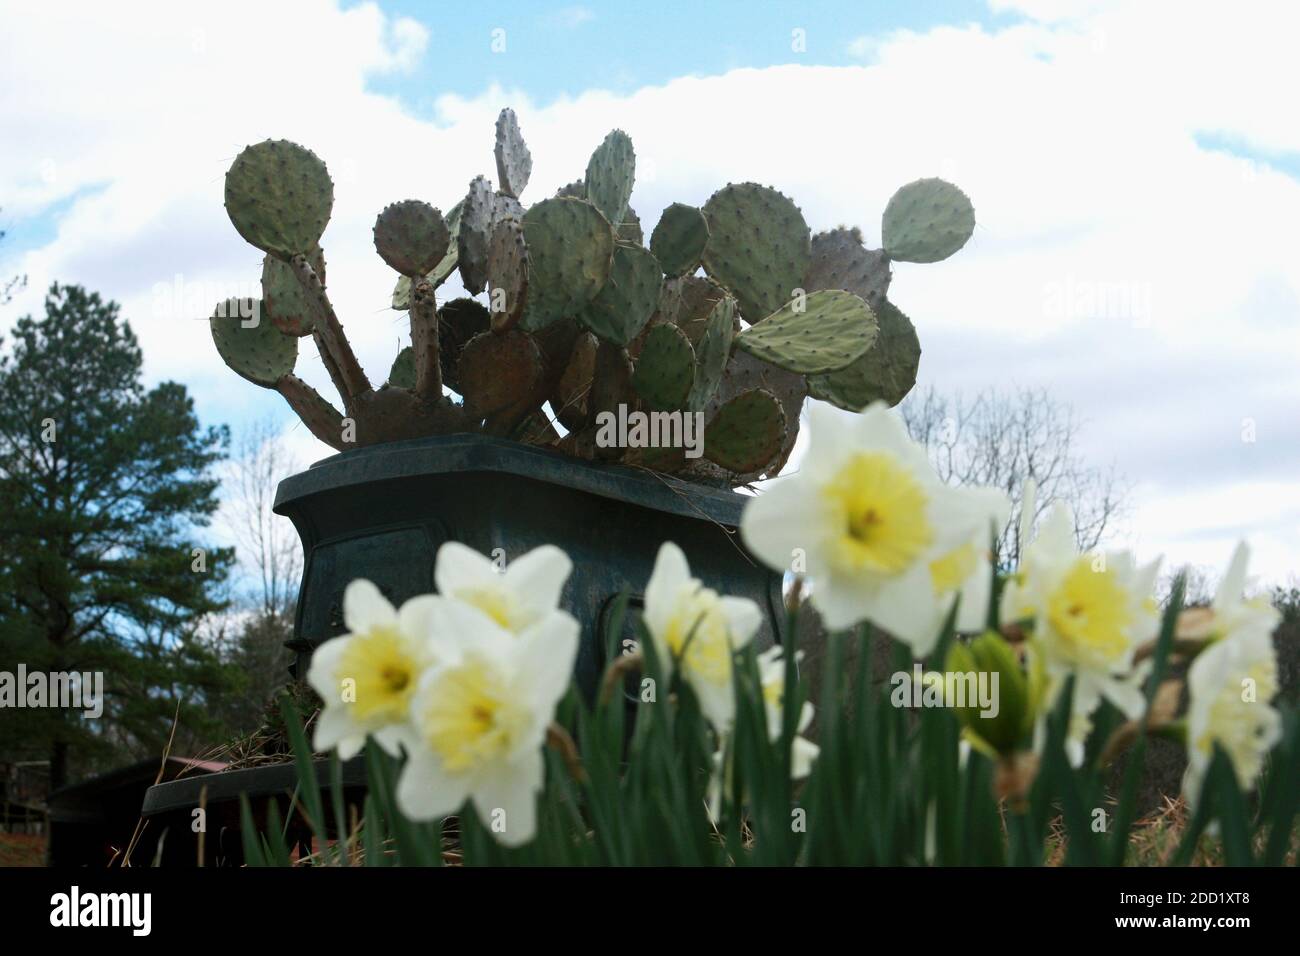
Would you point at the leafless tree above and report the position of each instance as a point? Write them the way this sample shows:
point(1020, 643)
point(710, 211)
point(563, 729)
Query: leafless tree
point(1000, 438)
point(11, 285)
point(265, 543)
point(267, 549)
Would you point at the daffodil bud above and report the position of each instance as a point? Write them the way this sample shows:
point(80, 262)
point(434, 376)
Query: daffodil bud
point(1003, 726)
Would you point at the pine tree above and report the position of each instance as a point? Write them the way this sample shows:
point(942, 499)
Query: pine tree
point(105, 489)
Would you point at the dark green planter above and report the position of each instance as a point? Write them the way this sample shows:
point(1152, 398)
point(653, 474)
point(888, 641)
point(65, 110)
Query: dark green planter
point(381, 513)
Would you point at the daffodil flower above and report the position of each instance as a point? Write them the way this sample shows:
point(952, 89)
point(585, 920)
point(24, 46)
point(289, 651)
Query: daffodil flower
point(1087, 615)
point(771, 672)
point(367, 677)
point(698, 630)
point(520, 596)
point(803, 752)
point(1230, 684)
point(872, 526)
point(1233, 613)
point(964, 575)
point(479, 718)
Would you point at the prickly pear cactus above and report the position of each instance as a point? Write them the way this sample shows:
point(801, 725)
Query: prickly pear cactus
point(665, 369)
point(279, 197)
point(927, 221)
point(569, 314)
point(822, 332)
point(758, 247)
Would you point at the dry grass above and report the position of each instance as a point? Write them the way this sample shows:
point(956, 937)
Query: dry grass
point(1155, 838)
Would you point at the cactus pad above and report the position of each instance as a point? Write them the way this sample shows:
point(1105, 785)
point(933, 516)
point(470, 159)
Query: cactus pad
point(279, 197)
point(713, 352)
point(629, 230)
point(283, 298)
point(259, 351)
point(514, 162)
point(402, 374)
point(665, 369)
point(458, 322)
point(475, 234)
point(758, 247)
point(495, 370)
point(679, 239)
point(927, 221)
point(570, 253)
point(886, 371)
point(627, 300)
point(840, 261)
point(610, 174)
point(507, 274)
point(834, 328)
point(746, 433)
point(412, 237)
point(745, 372)
point(569, 400)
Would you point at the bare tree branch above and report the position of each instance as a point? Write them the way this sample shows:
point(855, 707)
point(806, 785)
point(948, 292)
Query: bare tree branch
point(1000, 438)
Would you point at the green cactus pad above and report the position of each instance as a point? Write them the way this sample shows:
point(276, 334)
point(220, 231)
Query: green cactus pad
point(285, 302)
point(402, 374)
point(625, 303)
point(629, 230)
point(886, 371)
point(507, 274)
point(412, 237)
point(927, 221)
point(687, 302)
point(496, 370)
point(745, 372)
point(665, 369)
point(439, 273)
point(574, 190)
point(840, 261)
point(758, 247)
point(259, 351)
point(570, 254)
point(746, 433)
point(279, 197)
point(713, 352)
point(610, 174)
point(514, 162)
point(834, 328)
point(458, 322)
point(506, 207)
point(679, 239)
point(475, 234)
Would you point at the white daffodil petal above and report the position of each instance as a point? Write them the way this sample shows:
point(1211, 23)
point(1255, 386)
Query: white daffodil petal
point(426, 791)
point(506, 799)
point(459, 567)
point(670, 575)
point(365, 608)
point(743, 619)
point(545, 657)
point(538, 578)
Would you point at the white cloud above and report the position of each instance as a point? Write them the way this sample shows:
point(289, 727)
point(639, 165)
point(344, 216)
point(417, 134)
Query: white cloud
point(1151, 282)
point(575, 16)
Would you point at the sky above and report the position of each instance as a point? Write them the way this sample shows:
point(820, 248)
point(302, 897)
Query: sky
point(1135, 171)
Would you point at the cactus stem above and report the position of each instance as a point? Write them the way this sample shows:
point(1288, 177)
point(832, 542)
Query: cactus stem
point(337, 354)
point(424, 340)
point(321, 418)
